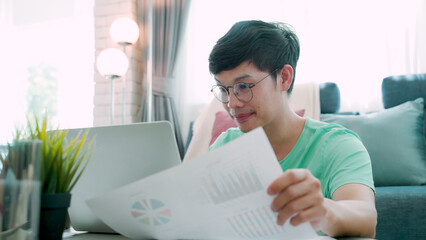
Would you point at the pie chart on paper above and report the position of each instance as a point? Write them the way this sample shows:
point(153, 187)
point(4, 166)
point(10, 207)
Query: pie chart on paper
point(151, 212)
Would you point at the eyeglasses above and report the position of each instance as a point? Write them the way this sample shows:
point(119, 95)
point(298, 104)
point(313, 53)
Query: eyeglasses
point(241, 90)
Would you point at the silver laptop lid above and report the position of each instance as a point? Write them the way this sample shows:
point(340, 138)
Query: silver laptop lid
point(122, 154)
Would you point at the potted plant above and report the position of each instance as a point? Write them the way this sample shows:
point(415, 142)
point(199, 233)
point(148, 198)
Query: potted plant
point(63, 162)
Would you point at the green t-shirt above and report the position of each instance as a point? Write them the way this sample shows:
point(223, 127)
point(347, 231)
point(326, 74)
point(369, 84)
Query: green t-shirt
point(334, 155)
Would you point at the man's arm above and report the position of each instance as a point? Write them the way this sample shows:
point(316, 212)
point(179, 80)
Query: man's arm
point(351, 212)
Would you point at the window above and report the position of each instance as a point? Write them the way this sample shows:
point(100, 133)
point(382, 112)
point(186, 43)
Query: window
point(47, 62)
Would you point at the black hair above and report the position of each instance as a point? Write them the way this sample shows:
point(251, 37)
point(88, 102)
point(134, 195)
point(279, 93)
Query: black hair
point(269, 46)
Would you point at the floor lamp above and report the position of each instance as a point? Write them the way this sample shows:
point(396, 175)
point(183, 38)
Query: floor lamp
point(112, 63)
point(124, 31)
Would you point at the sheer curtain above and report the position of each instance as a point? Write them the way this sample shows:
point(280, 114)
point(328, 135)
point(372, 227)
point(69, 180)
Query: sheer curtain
point(168, 22)
point(355, 43)
point(46, 62)
point(358, 43)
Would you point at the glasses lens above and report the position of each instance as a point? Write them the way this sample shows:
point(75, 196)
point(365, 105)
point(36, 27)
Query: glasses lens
point(220, 93)
point(242, 91)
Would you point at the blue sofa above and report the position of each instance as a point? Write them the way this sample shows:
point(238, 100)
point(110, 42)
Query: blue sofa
point(400, 201)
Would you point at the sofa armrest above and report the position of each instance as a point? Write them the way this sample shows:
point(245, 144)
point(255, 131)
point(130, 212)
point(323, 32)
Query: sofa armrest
point(401, 212)
point(329, 97)
point(401, 88)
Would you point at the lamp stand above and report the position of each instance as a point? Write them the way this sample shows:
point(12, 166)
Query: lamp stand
point(149, 60)
point(123, 111)
point(112, 79)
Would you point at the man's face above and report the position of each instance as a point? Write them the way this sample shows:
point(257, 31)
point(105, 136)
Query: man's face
point(261, 110)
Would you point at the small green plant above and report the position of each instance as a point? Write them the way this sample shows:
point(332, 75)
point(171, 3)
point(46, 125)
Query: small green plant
point(63, 160)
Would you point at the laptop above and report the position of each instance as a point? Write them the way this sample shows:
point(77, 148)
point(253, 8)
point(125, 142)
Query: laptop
point(122, 154)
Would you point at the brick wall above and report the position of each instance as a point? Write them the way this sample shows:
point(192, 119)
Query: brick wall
point(106, 11)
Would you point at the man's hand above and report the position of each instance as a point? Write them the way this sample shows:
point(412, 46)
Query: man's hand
point(299, 192)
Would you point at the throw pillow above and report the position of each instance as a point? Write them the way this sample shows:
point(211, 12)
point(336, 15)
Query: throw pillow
point(223, 121)
point(300, 112)
point(394, 139)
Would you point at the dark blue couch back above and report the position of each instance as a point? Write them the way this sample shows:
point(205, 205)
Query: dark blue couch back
point(402, 88)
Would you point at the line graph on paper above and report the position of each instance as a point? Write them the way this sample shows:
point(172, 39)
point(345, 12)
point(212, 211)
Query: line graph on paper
point(225, 185)
point(151, 212)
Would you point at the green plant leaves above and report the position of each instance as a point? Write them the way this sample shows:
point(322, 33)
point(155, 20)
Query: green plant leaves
point(63, 160)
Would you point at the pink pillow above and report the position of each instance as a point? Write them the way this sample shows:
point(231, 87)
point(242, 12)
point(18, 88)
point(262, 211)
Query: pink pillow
point(300, 112)
point(223, 121)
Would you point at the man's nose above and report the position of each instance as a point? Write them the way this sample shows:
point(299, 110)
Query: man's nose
point(233, 100)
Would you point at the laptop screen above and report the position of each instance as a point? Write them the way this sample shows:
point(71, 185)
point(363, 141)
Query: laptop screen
point(122, 154)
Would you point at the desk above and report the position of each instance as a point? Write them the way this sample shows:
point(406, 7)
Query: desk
point(71, 234)
point(93, 236)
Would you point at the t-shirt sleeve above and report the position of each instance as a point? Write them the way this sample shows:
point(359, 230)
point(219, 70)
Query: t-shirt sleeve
point(350, 161)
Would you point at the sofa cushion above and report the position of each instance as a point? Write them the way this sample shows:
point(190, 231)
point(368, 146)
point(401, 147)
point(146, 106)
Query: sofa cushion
point(222, 122)
point(394, 139)
point(401, 212)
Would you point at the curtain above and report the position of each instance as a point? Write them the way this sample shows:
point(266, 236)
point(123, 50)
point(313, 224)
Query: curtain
point(164, 109)
point(168, 21)
point(356, 44)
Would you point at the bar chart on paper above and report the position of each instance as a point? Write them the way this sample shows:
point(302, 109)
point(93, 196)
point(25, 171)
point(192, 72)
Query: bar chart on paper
point(225, 185)
point(256, 223)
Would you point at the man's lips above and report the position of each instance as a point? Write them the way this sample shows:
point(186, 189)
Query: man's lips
point(243, 116)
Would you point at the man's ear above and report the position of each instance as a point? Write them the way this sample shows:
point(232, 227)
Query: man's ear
point(285, 77)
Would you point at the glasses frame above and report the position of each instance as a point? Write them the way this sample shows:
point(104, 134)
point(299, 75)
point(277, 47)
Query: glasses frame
point(250, 86)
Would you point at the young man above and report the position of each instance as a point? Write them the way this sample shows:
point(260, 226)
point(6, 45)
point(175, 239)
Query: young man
point(327, 178)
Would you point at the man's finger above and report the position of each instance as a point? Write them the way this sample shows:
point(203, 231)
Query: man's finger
point(311, 214)
point(295, 206)
point(288, 178)
point(289, 194)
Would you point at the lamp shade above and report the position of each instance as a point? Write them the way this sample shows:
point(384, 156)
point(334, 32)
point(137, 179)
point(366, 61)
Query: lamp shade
point(112, 62)
point(124, 30)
